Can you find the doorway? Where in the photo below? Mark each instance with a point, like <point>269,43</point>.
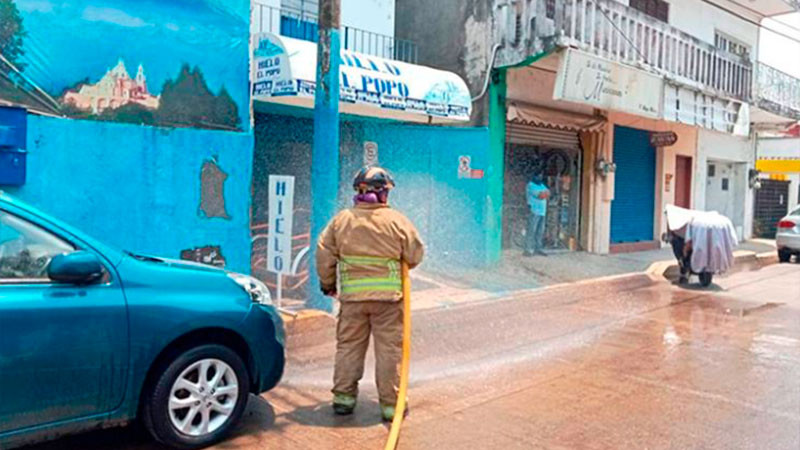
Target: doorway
<point>633,208</point>
<point>683,181</point>
<point>556,155</point>
<point>772,203</point>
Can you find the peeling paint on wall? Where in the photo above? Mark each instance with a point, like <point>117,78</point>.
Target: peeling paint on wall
<point>210,254</point>
<point>212,189</point>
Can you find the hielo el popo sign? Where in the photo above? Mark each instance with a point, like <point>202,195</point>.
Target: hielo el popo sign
<point>585,78</point>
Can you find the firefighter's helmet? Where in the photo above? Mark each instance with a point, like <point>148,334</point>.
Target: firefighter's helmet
<point>373,179</point>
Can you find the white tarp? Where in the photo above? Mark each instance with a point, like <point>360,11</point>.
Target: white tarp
<point>711,235</point>
<point>284,71</point>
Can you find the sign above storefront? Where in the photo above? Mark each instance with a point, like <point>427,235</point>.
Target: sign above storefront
<point>588,79</point>
<point>663,138</point>
<point>284,71</point>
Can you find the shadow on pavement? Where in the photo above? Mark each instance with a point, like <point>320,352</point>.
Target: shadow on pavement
<point>258,416</point>
<point>321,415</point>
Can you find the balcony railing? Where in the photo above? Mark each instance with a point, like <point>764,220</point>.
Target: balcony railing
<point>303,25</point>
<point>778,92</point>
<point>620,33</point>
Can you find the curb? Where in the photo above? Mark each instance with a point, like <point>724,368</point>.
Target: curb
<point>742,259</point>
<point>308,327</point>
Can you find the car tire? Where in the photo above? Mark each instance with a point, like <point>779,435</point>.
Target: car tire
<point>784,256</point>
<point>215,405</point>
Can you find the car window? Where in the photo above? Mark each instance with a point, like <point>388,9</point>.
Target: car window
<point>26,249</point>
<point>796,212</point>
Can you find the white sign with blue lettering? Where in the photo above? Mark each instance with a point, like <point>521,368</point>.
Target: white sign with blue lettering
<point>284,71</point>
<point>281,208</point>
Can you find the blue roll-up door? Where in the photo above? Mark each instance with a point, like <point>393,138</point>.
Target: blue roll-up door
<point>634,186</point>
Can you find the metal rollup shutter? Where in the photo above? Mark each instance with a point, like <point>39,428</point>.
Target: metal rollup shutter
<point>541,136</point>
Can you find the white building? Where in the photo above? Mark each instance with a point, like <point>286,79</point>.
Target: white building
<point>687,68</point>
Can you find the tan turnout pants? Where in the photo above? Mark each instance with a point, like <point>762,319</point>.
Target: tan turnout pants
<point>384,320</point>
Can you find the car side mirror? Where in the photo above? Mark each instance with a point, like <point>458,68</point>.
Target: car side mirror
<point>79,267</point>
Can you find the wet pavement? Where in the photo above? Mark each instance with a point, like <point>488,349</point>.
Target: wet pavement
<point>629,363</point>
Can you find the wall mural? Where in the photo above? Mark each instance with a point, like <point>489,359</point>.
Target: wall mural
<point>169,63</point>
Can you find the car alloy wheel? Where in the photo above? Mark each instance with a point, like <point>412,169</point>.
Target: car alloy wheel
<point>203,397</point>
<point>197,398</point>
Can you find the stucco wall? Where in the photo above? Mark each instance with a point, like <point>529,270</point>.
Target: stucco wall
<point>139,188</point>
<point>450,212</point>
<point>721,147</point>
<point>453,35</point>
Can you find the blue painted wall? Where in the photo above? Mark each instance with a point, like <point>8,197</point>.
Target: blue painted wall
<point>449,211</point>
<point>138,187</point>
<point>424,160</point>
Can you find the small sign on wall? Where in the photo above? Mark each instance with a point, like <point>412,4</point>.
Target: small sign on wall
<point>465,169</point>
<point>281,208</point>
<point>663,138</point>
<point>464,166</point>
<point>667,182</point>
<point>370,153</point>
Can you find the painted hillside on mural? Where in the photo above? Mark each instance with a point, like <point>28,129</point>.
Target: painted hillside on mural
<point>175,63</point>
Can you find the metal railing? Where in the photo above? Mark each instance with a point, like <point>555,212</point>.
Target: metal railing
<point>617,32</point>
<point>778,91</point>
<point>302,24</point>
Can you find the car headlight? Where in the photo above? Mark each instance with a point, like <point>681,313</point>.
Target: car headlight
<point>258,291</point>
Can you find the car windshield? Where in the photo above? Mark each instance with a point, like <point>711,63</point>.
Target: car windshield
<point>796,212</point>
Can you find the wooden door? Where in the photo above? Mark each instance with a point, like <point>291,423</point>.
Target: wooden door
<point>683,181</point>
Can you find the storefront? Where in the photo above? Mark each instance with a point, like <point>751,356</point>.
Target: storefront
<point>546,142</point>
<point>654,162</point>
<point>389,116</point>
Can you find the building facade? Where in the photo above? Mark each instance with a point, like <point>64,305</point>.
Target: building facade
<point>624,106</point>
<point>412,119</point>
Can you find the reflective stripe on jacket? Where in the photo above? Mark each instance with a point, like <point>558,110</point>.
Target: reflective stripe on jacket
<point>367,243</point>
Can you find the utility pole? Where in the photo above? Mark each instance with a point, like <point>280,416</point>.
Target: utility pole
<point>325,154</point>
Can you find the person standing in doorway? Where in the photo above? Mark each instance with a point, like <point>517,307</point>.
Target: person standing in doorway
<point>537,195</point>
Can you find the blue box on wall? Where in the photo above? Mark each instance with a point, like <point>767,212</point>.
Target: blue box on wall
<point>13,135</point>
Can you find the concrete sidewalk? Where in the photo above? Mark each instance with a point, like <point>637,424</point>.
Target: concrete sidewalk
<point>442,288</point>
<point>557,275</point>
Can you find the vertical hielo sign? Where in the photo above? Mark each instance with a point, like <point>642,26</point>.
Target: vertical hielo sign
<point>281,207</point>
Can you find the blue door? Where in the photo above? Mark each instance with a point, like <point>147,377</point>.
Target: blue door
<point>634,186</point>
<point>63,348</point>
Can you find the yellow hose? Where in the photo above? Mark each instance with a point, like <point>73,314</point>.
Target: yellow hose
<point>400,408</point>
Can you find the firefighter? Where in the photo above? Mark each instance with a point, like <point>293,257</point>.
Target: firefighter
<point>367,244</point>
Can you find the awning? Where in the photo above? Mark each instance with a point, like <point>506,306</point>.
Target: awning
<point>528,114</point>
<point>284,71</point>
<point>778,165</point>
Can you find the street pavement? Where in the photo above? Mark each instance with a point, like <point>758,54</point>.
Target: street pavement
<point>633,362</point>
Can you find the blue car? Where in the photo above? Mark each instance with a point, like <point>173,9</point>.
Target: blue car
<point>91,336</point>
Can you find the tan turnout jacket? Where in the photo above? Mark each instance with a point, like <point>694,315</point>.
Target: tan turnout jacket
<point>367,243</point>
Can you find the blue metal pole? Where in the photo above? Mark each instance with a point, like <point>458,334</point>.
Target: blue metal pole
<point>325,154</point>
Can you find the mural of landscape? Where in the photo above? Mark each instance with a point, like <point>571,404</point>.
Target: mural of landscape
<point>175,63</point>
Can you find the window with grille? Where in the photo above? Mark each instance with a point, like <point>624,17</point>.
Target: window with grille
<point>658,9</point>
<point>731,45</point>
